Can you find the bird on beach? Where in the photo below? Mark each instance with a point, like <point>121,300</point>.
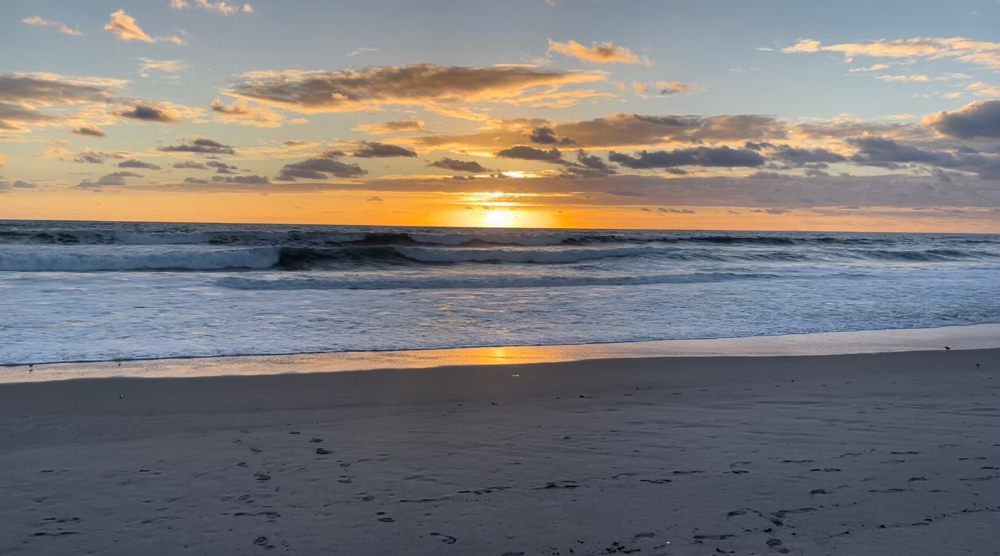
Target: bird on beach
<point>947,348</point>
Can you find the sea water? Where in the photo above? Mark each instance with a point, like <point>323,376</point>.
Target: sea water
<point>90,291</point>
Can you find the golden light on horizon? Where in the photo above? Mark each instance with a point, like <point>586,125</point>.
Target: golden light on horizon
<point>500,218</point>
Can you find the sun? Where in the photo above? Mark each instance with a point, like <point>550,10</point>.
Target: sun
<point>500,218</point>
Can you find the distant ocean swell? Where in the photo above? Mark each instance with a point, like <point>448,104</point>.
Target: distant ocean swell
<point>166,257</point>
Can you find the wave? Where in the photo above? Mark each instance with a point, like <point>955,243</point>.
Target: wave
<point>477,282</point>
<point>148,234</point>
<point>353,256</point>
<point>77,261</point>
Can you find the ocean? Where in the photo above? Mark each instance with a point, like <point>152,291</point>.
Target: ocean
<point>97,291</point>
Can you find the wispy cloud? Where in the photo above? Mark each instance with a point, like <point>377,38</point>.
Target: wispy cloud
<point>598,52</point>
<point>149,66</point>
<point>361,50</point>
<point>394,126</point>
<point>126,28</point>
<point>421,84</point>
<point>61,27</point>
<point>245,113</point>
<point>224,8</point>
<point>978,53</point>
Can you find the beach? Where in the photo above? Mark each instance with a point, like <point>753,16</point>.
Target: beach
<point>889,453</point>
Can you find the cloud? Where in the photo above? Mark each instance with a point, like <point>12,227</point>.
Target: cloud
<point>48,88</point>
<point>323,167</point>
<point>802,156</point>
<point>663,88</point>
<point>113,179</point>
<point>620,131</point>
<point>543,135</point>
<point>88,130</point>
<point>125,27</point>
<point>531,153</point>
<point>151,112</point>
<point>979,53</point>
<point>62,27</point>
<point>981,89</point>
<point>17,184</point>
<point>871,68</point>
<point>459,165</point>
<point>24,96</point>
<point>245,180</point>
<point>90,157</point>
<point>672,87</point>
<point>147,66</point>
<point>190,164</point>
<point>887,153</point>
<point>224,8</point>
<point>361,50</point>
<point>598,52</point>
<point>133,163</point>
<point>200,146</point>
<point>195,180</point>
<point>242,112</point>
<point>420,84</point>
<point>375,199</point>
<point>372,149</point>
<point>978,119</point>
<point>394,126</point>
<point>699,156</point>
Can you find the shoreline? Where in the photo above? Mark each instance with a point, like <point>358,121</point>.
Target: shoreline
<point>869,454</point>
<point>979,336</point>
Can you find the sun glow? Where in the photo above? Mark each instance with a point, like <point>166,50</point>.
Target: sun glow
<point>500,218</point>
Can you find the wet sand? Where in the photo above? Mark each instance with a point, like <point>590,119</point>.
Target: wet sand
<point>887,454</point>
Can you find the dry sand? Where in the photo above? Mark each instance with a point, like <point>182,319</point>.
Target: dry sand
<point>885,454</point>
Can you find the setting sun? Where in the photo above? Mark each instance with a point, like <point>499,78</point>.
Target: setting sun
<point>500,218</point>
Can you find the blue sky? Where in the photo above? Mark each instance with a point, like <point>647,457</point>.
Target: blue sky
<point>710,58</point>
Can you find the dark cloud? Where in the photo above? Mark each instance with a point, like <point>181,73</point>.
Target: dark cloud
<point>801,157</point>
<point>587,166</point>
<point>244,180</point>
<point>699,156</point>
<point>320,168</point>
<point>221,165</point>
<point>622,131</point>
<point>115,178</point>
<point>592,162</point>
<point>191,165</point>
<point>195,180</point>
<point>18,184</point>
<point>543,135</point>
<point>53,89</point>
<point>94,157</point>
<point>361,90</point>
<point>133,163</point>
<point>887,153</point>
<point>375,199</point>
<point>458,165</point>
<point>13,115</point>
<point>978,119</point>
<point>88,130</point>
<point>531,153</point>
<point>372,149</point>
<point>675,211</point>
<point>148,113</point>
<point>202,146</point>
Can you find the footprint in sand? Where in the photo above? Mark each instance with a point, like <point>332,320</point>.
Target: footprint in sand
<point>446,539</point>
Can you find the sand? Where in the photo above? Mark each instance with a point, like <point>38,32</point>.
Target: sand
<point>887,454</point>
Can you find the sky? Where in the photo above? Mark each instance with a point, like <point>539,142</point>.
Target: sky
<point>711,114</point>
